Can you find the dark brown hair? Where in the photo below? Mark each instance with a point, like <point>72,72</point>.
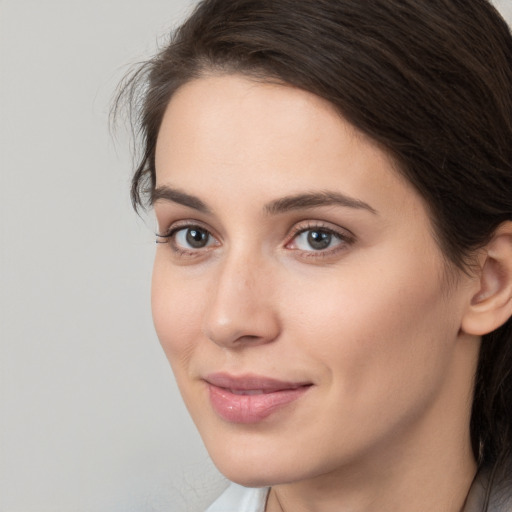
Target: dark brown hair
<point>430,80</point>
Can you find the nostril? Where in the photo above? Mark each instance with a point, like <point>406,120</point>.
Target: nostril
<point>250,337</point>
<point>234,336</point>
<point>236,315</point>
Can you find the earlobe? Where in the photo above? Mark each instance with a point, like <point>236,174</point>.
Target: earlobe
<point>491,304</point>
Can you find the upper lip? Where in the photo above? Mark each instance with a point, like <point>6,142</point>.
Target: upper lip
<point>249,382</point>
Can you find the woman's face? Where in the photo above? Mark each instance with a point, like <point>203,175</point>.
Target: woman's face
<point>298,291</point>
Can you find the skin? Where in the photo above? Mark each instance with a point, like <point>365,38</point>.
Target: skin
<point>371,321</point>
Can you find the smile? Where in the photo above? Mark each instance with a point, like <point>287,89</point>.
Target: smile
<point>251,399</point>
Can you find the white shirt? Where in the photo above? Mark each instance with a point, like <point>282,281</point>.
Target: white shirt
<point>240,499</point>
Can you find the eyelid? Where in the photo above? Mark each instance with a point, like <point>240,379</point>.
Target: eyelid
<point>345,236</point>
<point>177,226</point>
<point>183,224</point>
<point>320,225</point>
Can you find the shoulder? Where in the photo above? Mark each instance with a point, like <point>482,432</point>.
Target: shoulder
<point>240,499</point>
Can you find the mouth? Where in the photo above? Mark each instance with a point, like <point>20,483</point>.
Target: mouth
<point>248,392</point>
<point>249,398</point>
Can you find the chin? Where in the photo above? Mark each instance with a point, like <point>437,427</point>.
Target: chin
<point>240,467</point>
<point>250,480</point>
<point>259,467</point>
<point>249,476</point>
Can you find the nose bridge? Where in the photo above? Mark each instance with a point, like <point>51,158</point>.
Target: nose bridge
<point>240,302</point>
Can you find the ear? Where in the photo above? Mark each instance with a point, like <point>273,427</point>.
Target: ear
<point>491,304</point>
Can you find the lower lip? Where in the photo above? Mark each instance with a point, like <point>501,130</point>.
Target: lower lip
<point>251,408</point>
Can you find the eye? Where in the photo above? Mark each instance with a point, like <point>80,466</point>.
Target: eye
<point>319,240</point>
<point>192,238</point>
<point>316,240</point>
<point>188,239</point>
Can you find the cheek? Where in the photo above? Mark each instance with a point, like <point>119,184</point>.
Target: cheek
<point>375,332</point>
<point>177,312</point>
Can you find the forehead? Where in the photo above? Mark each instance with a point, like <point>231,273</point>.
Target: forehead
<point>237,107</point>
<point>230,129</point>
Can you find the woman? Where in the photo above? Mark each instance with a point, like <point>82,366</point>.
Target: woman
<point>332,181</point>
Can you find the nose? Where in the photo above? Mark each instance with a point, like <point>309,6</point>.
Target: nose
<point>240,308</point>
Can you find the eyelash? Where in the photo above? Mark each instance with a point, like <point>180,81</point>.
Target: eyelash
<point>344,237</point>
<point>169,238</point>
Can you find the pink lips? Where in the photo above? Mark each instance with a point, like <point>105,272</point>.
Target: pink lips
<point>250,399</point>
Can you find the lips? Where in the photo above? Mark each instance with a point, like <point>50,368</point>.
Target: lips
<point>251,399</point>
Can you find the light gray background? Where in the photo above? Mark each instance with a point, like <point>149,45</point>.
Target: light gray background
<point>90,417</point>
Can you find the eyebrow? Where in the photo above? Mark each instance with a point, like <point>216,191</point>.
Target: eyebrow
<point>278,206</point>
<point>313,199</point>
<point>177,196</point>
